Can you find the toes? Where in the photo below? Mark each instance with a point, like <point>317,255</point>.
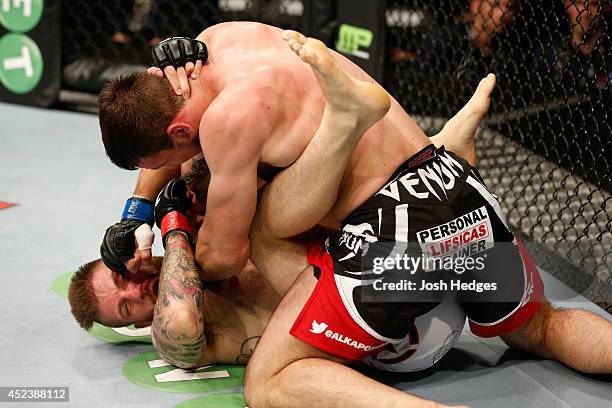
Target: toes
<point>296,46</point>
<point>318,43</point>
<point>492,80</point>
<point>289,34</point>
<point>303,54</point>
<point>306,48</point>
<point>294,35</point>
<point>487,83</point>
<point>313,57</point>
<point>485,87</point>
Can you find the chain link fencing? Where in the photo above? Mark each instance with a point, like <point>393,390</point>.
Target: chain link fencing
<point>104,39</point>
<point>546,147</point>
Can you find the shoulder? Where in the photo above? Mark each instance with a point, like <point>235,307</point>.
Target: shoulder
<point>232,27</point>
<point>209,32</point>
<point>234,126</point>
<point>236,107</point>
<point>236,35</point>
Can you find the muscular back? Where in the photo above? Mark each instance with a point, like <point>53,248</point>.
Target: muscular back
<point>251,60</point>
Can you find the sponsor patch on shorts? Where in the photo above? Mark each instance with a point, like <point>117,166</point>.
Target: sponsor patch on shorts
<point>323,329</point>
<point>463,236</point>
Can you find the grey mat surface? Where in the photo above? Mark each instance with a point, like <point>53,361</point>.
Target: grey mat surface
<point>52,164</point>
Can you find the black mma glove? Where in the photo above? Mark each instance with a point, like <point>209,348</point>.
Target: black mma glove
<point>178,51</point>
<point>173,210</point>
<point>134,229</point>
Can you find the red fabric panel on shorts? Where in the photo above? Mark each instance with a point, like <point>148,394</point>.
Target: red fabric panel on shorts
<point>324,322</point>
<point>534,291</point>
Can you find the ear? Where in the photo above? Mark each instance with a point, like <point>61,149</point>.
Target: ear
<point>140,325</point>
<point>180,132</point>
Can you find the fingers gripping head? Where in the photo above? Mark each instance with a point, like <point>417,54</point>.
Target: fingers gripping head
<point>178,51</point>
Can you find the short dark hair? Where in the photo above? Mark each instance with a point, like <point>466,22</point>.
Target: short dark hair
<point>135,112</point>
<point>81,295</point>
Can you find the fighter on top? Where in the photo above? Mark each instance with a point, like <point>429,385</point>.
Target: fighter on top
<point>254,109</point>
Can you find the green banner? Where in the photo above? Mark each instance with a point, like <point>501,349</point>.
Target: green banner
<point>30,51</point>
<point>22,15</point>
<point>21,64</point>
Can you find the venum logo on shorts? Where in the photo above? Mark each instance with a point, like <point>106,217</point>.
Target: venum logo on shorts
<point>320,328</point>
<point>463,236</point>
<point>355,238</point>
<point>442,173</point>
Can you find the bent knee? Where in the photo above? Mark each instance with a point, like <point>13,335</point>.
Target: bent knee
<point>255,385</point>
<point>532,335</point>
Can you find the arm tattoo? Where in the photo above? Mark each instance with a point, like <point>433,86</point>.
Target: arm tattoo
<point>246,350</point>
<point>180,294</point>
<point>198,179</point>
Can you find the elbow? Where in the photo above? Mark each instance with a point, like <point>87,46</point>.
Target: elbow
<point>225,268</point>
<point>181,343</point>
<point>238,258</point>
<point>181,361</point>
<point>186,325</point>
<point>219,264</point>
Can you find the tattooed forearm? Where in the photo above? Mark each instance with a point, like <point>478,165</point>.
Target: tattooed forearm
<point>178,326</point>
<point>246,350</point>
<point>181,354</point>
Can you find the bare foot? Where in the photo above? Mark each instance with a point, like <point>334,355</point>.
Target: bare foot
<point>360,103</point>
<point>458,133</point>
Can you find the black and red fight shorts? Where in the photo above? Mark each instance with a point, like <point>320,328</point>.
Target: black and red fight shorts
<point>438,202</point>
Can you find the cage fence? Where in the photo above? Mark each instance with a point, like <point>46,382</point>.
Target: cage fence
<point>545,148</point>
<point>104,39</point>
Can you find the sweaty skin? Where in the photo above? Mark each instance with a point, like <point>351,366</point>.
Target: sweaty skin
<point>286,372</point>
<point>337,121</point>
<point>256,102</point>
<point>295,373</point>
<point>236,310</point>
